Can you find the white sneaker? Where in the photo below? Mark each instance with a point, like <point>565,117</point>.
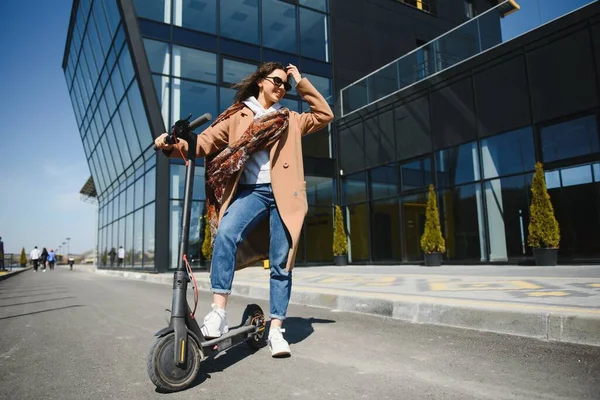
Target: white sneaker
<point>215,323</point>
<point>278,345</point>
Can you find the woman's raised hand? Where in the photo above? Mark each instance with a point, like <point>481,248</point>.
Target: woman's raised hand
<point>293,70</point>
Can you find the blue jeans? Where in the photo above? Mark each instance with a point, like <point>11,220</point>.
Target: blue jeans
<point>251,205</point>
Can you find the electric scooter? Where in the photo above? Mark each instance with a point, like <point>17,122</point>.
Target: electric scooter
<point>174,358</point>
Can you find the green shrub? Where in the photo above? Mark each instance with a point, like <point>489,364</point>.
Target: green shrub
<point>543,227</point>
<point>340,245</point>
<point>432,240</point>
<point>23,260</point>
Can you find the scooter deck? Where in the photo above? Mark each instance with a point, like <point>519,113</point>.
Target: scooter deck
<point>244,329</point>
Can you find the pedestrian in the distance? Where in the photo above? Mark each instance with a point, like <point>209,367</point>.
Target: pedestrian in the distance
<point>51,259</point>
<point>256,185</point>
<point>34,256</point>
<point>43,259</point>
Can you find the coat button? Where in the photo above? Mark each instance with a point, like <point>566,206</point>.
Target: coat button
<point>295,193</point>
<point>285,165</point>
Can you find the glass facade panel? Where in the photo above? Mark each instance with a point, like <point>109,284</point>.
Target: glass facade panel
<point>507,205</point>
<point>314,35</point>
<point>162,85</point>
<point>128,242</point>
<point>570,139</point>
<point>156,10</point>
<point>195,244</point>
<point>126,67</point>
<point>149,217</point>
<point>235,71</point>
<point>416,174</point>
<point>385,231</point>
<point>413,216</point>
<point>139,115</point>
<point>461,216</point>
<point>354,188</point>
<point>509,153</point>
<point>319,191</point>
<point>320,5</point>
<point>159,56</point>
<point>193,98</point>
<point>239,20</point>
<point>323,85</point>
<point>194,64</point>
<point>150,186</point>
<point>138,236</point>
<point>383,182</point>
<point>129,129</point>
<point>279,26</point>
<point>358,230</point>
<point>226,97</point>
<point>457,165</point>
<point>200,15</point>
<point>318,226</point>
<point>139,193</point>
<point>178,182</point>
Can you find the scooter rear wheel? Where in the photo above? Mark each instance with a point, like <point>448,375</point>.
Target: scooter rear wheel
<point>162,370</point>
<point>257,318</point>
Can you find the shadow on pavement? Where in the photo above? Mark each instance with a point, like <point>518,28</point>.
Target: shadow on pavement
<point>34,294</point>
<point>297,329</point>
<point>37,301</point>
<point>42,311</point>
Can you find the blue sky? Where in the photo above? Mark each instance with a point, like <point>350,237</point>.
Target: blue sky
<point>42,163</point>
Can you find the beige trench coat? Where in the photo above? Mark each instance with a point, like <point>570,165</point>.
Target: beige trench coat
<point>287,170</point>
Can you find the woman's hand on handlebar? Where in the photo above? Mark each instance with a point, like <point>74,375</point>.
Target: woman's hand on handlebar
<point>161,142</point>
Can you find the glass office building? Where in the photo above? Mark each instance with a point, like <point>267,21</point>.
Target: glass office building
<point>474,129</point>
<point>134,67</point>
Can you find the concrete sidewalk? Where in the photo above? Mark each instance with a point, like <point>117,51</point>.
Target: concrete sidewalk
<point>550,303</point>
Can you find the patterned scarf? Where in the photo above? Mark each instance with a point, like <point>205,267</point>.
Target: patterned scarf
<point>262,134</point>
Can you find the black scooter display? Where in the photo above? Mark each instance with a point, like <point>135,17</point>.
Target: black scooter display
<point>174,359</point>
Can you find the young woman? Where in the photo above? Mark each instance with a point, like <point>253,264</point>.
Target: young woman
<point>255,188</point>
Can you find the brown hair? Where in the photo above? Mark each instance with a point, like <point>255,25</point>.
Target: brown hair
<point>249,85</point>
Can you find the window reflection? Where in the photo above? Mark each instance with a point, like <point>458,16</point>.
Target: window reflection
<point>200,15</point>
<point>413,216</point>
<point>193,98</point>
<point>358,230</point>
<point>385,230</point>
<point>319,234</point>
<point>320,5</point>
<point>159,56</point>
<point>570,139</point>
<point>508,153</point>
<point>194,64</point>
<point>156,10</point>
<point>138,236</point>
<point>319,190</point>
<point>195,244</point>
<point>457,165</point>
<point>239,20</point>
<point>314,35</point>
<point>461,216</point>
<point>416,174</point>
<point>149,228</point>
<point>507,204</point>
<point>226,97</point>
<point>235,71</point>
<point>279,26</point>
<point>383,181</point>
<point>150,186</point>
<point>354,188</point>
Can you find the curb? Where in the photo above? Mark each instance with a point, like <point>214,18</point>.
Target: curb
<point>13,273</point>
<point>560,324</point>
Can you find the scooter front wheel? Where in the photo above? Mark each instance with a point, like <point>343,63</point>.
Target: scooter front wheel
<point>163,371</point>
<point>253,315</point>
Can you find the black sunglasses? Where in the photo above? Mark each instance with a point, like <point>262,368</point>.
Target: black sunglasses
<point>278,82</point>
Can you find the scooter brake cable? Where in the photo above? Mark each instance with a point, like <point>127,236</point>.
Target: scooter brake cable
<point>191,273</point>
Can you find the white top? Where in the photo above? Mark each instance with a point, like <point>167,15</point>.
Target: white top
<point>258,167</point>
<point>121,252</point>
<point>35,254</point>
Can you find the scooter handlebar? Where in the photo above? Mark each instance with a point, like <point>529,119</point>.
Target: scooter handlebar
<point>201,120</point>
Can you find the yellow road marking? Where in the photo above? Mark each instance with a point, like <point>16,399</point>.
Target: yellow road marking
<point>549,294</point>
<point>594,285</point>
<point>462,286</point>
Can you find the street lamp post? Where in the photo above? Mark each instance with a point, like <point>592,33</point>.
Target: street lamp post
<point>68,247</point>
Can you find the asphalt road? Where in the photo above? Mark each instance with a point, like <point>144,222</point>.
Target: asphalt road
<point>75,335</point>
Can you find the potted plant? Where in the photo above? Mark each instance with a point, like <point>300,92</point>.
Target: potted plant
<point>207,246</point>
<point>544,233</point>
<point>23,260</point>
<point>340,245</point>
<point>432,242</point>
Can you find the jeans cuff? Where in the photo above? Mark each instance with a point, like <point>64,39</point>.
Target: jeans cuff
<point>277,316</point>
<point>220,291</point>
